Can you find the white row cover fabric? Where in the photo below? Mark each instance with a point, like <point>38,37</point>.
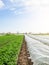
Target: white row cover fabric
<point>43,36</point>
<point>39,52</point>
<point>40,38</point>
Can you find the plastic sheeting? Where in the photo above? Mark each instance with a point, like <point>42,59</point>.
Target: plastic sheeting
<point>41,39</point>
<point>43,36</point>
<point>39,52</point>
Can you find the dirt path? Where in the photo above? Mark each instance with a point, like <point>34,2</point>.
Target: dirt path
<point>23,56</point>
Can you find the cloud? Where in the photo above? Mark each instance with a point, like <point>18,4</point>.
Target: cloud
<point>12,1</point>
<point>31,2</point>
<point>1,4</point>
<point>25,6</point>
<point>12,9</point>
<point>27,2</point>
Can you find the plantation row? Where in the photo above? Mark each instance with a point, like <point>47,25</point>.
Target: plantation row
<point>10,46</point>
<point>5,39</point>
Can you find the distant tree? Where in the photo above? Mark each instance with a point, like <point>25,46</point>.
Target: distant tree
<point>8,34</point>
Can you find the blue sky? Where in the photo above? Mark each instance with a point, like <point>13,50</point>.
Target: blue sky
<point>24,16</point>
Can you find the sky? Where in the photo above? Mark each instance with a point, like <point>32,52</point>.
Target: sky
<point>24,16</point>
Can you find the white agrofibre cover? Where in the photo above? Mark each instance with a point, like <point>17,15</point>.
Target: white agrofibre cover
<point>39,52</point>
<point>41,39</point>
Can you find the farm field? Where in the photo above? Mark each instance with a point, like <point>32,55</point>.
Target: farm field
<point>10,46</point>
<point>28,50</point>
<point>38,47</point>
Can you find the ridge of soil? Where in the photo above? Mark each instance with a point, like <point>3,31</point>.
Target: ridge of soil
<point>24,54</point>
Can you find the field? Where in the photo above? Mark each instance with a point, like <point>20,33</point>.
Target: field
<point>10,46</point>
<point>38,47</point>
<point>24,49</point>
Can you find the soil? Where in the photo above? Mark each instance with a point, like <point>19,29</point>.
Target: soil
<point>23,56</point>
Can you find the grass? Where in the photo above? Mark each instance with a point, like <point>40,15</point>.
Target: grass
<point>10,46</point>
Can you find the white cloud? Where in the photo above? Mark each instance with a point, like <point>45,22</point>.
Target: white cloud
<point>25,5</point>
<point>1,4</point>
<point>12,1</point>
<point>26,2</point>
<point>29,6</point>
<point>18,13</point>
<point>12,9</point>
